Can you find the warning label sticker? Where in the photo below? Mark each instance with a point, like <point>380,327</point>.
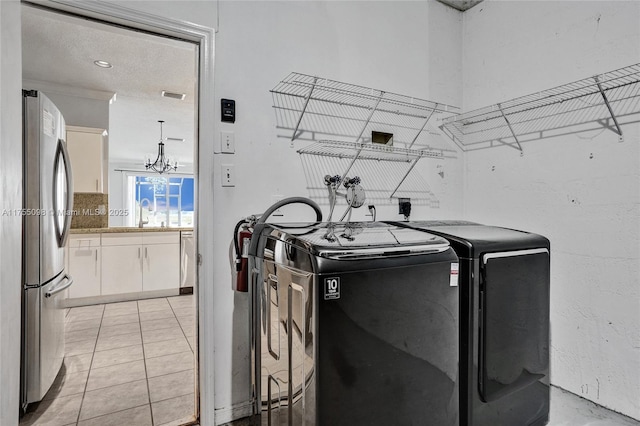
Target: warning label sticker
<point>453,277</point>
<point>48,125</point>
<point>332,288</point>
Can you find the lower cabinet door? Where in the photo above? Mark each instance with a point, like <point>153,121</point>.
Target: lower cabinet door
<point>121,269</point>
<point>84,267</point>
<point>161,270</point>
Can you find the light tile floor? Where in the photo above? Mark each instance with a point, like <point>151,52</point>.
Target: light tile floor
<point>132,363</point>
<point>567,409</point>
<point>129,363</point>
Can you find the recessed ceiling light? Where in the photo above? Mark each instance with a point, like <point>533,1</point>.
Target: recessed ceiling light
<point>103,64</point>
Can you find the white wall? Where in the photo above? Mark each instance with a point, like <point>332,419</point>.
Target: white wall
<point>582,191</point>
<point>411,48</point>
<point>10,198</point>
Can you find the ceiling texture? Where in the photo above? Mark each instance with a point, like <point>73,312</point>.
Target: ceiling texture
<point>58,54</point>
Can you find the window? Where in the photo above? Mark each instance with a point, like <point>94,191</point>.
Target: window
<point>162,201</point>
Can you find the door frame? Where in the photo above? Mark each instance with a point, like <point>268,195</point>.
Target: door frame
<point>115,14</point>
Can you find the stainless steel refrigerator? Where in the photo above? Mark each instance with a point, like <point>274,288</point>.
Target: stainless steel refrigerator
<point>47,206</point>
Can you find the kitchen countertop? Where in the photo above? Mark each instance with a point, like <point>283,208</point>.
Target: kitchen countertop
<point>125,229</point>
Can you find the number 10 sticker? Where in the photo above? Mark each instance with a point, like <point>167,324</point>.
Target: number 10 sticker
<point>332,288</point>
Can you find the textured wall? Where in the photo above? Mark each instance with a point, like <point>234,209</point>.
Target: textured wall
<point>411,48</point>
<point>581,190</point>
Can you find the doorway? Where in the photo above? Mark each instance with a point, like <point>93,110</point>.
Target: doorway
<point>92,372</point>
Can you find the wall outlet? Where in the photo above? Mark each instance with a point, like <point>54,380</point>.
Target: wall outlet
<point>228,175</point>
<point>404,207</point>
<point>227,142</point>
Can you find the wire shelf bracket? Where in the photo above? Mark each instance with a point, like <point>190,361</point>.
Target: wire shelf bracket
<point>368,120</point>
<point>422,128</point>
<point>583,105</point>
<point>606,101</point>
<point>304,108</point>
<point>413,164</point>
<point>317,108</point>
<point>510,129</point>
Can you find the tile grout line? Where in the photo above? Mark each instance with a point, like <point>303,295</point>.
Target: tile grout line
<point>114,412</point>
<point>90,364</point>
<point>93,356</point>
<point>194,368</point>
<point>173,372</point>
<point>173,397</point>
<point>144,358</point>
<point>193,355</point>
<point>182,329</point>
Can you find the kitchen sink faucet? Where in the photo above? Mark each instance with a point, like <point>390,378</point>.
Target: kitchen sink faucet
<point>141,223</point>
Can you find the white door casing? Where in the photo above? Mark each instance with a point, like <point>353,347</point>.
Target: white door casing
<point>204,220</point>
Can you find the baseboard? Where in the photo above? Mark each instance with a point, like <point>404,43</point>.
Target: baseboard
<point>125,297</point>
<point>236,412</point>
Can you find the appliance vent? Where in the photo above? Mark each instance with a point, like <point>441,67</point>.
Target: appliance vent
<point>173,95</point>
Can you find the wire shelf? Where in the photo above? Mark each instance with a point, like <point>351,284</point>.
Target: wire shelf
<point>313,108</point>
<point>367,151</point>
<point>603,100</point>
<point>386,172</point>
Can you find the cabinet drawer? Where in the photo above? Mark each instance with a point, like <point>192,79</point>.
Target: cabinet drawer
<point>122,239</point>
<point>84,241</point>
<point>161,237</point>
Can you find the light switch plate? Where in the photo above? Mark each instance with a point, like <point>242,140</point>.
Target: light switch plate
<point>227,142</point>
<point>228,175</point>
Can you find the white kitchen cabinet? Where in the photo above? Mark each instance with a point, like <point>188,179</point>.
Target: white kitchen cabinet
<point>121,263</point>
<point>121,269</point>
<point>161,267</point>
<point>161,264</point>
<point>140,261</point>
<point>84,265</point>
<point>89,160</point>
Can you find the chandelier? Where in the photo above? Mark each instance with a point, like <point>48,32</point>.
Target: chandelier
<point>162,163</point>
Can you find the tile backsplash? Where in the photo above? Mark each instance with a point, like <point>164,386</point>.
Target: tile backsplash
<point>90,210</point>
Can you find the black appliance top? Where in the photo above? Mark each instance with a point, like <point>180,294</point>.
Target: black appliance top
<point>335,239</point>
<point>471,240</point>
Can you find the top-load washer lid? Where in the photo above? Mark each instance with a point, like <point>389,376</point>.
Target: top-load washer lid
<point>471,240</point>
<point>354,239</point>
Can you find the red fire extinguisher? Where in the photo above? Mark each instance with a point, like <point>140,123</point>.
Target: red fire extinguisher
<point>242,238</point>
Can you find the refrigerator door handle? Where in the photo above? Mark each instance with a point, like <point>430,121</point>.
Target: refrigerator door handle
<point>61,287</point>
<point>64,232</point>
<point>69,206</point>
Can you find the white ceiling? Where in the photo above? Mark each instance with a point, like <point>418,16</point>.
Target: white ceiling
<point>59,51</point>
